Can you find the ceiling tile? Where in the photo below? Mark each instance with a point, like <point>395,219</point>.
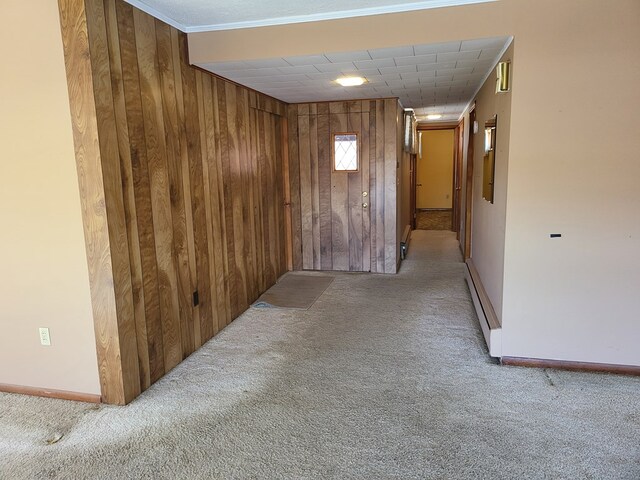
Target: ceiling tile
<point>267,63</point>
<point>391,52</point>
<point>347,56</point>
<point>437,48</point>
<point>378,63</point>
<point>416,60</point>
<point>454,57</point>
<point>336,67</point>
<point>403,69</point>
<point>307,60</point>
<point>299,69</point>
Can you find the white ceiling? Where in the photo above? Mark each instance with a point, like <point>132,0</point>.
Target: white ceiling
<point>207,15</point>
<point>437,78</point>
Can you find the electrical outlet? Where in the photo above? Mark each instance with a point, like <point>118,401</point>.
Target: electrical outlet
<point>45,339</point>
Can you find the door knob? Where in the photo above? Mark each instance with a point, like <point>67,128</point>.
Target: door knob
<point>365,205</point>
<point>418,184</point>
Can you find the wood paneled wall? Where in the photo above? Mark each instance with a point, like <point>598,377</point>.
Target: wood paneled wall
<point>192,193</point>
<point>319,195</point>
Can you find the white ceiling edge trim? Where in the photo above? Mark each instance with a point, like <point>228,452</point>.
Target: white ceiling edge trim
<point>475,94</point>
<point>157,14</point>
<point>317,17</point>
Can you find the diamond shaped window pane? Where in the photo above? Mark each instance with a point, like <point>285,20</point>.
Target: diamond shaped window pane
<point>345,152</point>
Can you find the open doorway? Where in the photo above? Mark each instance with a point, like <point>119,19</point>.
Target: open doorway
<point>437,185</point>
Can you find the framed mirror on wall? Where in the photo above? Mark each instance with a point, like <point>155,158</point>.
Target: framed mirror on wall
<point>488,168</point>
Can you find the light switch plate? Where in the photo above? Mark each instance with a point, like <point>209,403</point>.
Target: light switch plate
<point>45,339</point>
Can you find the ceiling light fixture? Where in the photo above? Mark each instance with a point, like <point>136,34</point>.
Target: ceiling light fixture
<point>350,81</point>
<point>434,116</point>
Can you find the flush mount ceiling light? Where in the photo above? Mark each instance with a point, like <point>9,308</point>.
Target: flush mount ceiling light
<point>350,81</point>
<point>434,116</point>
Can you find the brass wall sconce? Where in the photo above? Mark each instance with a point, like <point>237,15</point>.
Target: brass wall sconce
<point>503,72</point>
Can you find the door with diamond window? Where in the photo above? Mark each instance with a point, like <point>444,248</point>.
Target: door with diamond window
<point>349,191</point>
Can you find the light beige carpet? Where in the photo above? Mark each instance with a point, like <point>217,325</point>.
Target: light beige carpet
<point>384,377</point>
<point>295,291</point>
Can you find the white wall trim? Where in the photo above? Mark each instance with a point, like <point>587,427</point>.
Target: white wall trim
<point>139,4</point>
<point>316,17</point>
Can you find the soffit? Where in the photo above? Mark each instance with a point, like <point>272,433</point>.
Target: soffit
<point>434,78</point>
<point>206,15</point>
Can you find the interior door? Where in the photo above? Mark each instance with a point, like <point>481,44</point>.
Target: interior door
<point>335,204</point>
<point>349,194</point>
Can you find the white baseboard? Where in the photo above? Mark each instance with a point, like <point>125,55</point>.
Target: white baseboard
<point>492,336</point>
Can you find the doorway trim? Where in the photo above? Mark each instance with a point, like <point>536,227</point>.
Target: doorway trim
<point>458,129</point>
<point>468,211</point>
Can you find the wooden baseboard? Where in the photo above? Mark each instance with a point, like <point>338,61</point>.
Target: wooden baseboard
<point>574,366</point>
<point>50,393</point>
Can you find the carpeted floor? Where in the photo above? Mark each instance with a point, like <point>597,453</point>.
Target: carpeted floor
<point>433,219</point>
<point>384,377</point>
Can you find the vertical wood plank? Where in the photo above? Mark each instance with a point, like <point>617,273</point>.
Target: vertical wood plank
<point>390,175</point>
<point>112,178</point>
<point>355,211</point>
<point>294,179</point>
<point>151,332</point>
<point>212,198</point>
<point>182,163</point>
<point>380,187</point>
<point>194,149</point>
<point>128,188</point>
<point>235,182</point>
<point>178,215</point>
<point>366,219</point>
<point>324,182</point>
<point>75,38</point>
<point>315,187</point>
<point>304,156</point>
<point>339,200</point>
<point>222,164</point>
<point>159,183</point>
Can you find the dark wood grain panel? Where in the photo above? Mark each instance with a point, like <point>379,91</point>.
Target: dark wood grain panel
<point>380,190</point>
<point>183,191</point>
<point>304,157</point>
<point>128,189</point>
<point>152,111</point>
<point>176,184</point>
<point>114,197</point>
<point>356,210</point>
<point>151,328</point>
<point>324,185</point>
<point>365,169</point>
<point>315,186</point>
<point>294,185</point>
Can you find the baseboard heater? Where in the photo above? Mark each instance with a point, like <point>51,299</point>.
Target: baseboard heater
<point>491,328</point>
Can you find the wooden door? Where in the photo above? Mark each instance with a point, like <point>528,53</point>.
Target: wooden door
<point>349,191</point>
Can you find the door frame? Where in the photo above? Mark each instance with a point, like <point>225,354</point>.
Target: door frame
<point>457,128</point>
<point>468,214</point>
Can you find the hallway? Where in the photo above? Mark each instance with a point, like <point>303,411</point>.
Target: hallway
<point>384,377</point>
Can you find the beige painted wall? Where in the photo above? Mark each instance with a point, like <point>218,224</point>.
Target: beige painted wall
<point>574,169</point>
<point>574,131</point>
<point>44,281</point>
<point>435,170</point>
<point>488,228</point>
